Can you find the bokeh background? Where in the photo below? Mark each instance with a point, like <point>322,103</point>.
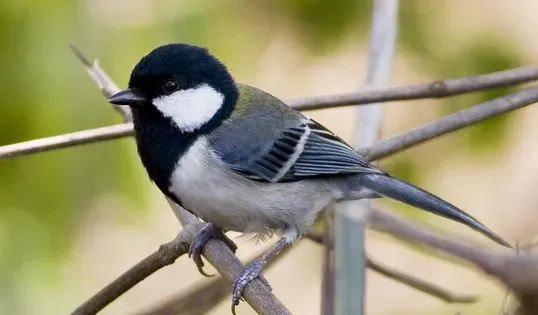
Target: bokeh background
<point>73,220</point>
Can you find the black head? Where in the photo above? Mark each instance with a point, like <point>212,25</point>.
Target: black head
<point>168,76</point>
<point>179,67</point>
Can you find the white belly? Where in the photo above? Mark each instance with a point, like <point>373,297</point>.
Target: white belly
<point>220,196</point>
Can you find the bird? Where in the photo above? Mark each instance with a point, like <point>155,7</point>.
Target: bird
<point>241,160</point>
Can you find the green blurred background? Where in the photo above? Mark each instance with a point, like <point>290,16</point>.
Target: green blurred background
<point>72,220</point>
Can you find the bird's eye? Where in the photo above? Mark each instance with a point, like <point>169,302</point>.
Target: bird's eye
<point>170,86</point>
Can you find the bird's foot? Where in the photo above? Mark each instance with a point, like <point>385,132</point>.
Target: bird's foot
<point>252,272</point>
<point>208,232</point>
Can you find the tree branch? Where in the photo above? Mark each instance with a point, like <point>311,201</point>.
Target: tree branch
<point>409,280</point>
<point>256,293</point>
<point>204,297</point>
<point>518,272</point>
<point>435,89</point>
<point>452,122</point>
<point>103,81</point>
<point>164,256</point>
<point>420,284</point>
<point>66,140</point>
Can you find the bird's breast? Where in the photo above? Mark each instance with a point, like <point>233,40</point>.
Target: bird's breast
<point>218,195</point>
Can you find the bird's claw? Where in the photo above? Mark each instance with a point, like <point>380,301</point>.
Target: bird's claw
<point>204,235</point>
<point>252,272</point>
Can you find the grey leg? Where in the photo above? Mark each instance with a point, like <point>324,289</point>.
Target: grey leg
<point>290,235</point>
<point>208,232</point>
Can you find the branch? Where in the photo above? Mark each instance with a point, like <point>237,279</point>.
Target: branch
<point>108,88</point>
<point>164,256</point>
<point>204,297</point>
<point>435,89</point>
<point>452,122</point>
<point>256,293</point>
<point>103,81</point>
<point>219,255</point>
<point>66,140</point>
<point>407,279</point>
<point>518,272</point>
<point>420,284</point>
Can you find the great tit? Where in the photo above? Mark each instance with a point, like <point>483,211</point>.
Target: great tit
<point>242,160</point>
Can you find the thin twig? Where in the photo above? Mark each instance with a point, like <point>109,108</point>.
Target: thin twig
<point>435,89</point>
<point>517,272</point>
<point>256,293</point>
<point>204,297</point>
<point>164,256</point>
<point>407,279</point>
<point>66,140</point>
<point>449,123</point>
<point>103,81</point>
<point>421,285</point>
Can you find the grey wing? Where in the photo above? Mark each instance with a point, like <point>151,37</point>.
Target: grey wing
<point>325,154</point>
<point>303,150</point>
<point>247,150</point>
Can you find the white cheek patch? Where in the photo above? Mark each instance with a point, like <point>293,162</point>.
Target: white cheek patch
<point>190,109</point>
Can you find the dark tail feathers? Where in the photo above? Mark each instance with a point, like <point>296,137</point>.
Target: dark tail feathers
<point>393,188</point>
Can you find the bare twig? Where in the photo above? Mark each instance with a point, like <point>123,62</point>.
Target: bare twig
<point>256,293</point>
<point>66,140</point>
<point>450,123</point>
<point>516,271</point>
<point>436,89</point>
<point>195,302</point>
<point>203,298</point>
<point>164,256</point>
<point>103,81</point>
<point>108,88</point>
<point>407,279</point>
<point>421,285</point>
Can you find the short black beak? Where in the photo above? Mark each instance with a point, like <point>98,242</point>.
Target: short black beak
<point>127,97</point>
